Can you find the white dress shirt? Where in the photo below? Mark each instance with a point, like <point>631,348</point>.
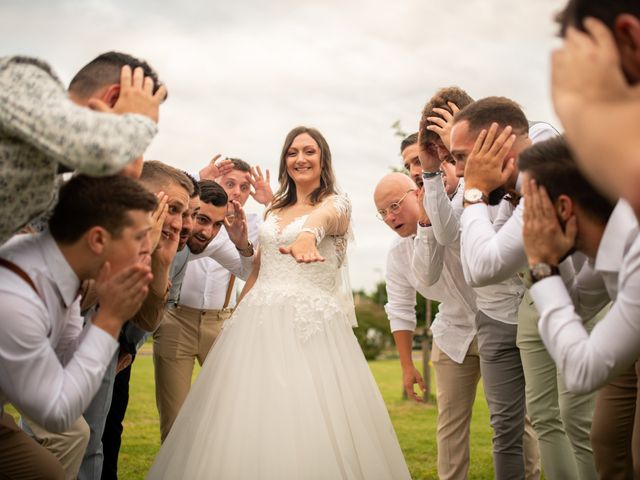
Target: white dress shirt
<point>205,283</point>
<point>439,277</point>
<point>492,254</point>
<point>37,330</point>
<point>589,361</point>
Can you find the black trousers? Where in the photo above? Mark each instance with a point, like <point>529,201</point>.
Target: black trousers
<point>112,435</point>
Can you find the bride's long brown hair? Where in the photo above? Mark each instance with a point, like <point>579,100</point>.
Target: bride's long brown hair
<point>286,194</point>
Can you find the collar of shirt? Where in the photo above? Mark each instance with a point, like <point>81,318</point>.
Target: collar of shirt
<point>62,275</point>
<point>616,238</point>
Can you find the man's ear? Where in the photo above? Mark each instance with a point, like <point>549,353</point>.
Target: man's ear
<point>97,239</point>
<point>564,207</point>
<point>111,94</point>
<point>627,34</point>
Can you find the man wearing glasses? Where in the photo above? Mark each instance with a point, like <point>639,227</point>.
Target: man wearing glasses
<point>416,262</point>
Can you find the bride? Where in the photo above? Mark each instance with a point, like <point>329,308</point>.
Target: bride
<point>285,392</point>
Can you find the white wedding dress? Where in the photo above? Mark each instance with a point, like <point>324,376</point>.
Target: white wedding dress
<point>286,393</point>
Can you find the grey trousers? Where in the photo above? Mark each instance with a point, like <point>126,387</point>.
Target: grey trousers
<point>504,386</point>
<point>96,416</point>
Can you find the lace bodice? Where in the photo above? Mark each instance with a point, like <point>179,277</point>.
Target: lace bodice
<point>313,289</point>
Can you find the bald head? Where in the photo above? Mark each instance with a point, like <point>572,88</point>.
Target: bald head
<point>394,182</point>
<point>396,188</point>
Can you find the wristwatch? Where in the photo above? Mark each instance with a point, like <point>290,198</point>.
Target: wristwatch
<point>542,270</point>
<point>247,251</point>
<point>473,196</point>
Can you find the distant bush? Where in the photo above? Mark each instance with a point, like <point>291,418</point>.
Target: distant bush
<point>373,332</point>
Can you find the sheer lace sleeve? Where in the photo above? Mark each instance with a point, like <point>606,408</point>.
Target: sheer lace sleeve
<point>332,217</point>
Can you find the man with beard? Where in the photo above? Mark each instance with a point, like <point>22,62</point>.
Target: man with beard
<point>184,335</point>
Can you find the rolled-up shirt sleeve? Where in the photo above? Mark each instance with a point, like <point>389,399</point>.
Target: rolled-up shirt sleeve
<point>401,297</point>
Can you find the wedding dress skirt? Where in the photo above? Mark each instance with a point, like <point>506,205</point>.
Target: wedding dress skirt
<point>285,392</point>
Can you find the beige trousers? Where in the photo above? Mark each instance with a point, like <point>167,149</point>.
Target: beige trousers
<point>22,457</point>
<point>68,446</point>
<point>184,336</point>
<point>456,386</point>
<point>615,432</point>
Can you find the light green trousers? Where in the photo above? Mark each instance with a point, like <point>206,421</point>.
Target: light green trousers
<point>561,419</point>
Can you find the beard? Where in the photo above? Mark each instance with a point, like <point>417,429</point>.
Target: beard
<point>198,244</point>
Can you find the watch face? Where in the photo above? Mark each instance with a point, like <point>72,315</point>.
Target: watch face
<point>540,270</point>
<point>473,195</point>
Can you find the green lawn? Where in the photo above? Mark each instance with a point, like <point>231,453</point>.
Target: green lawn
<point>415,425</point>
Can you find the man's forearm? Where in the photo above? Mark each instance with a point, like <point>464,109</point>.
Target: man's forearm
<point>404,342</point>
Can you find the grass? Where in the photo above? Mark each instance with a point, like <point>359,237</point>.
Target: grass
<point>415,424</point>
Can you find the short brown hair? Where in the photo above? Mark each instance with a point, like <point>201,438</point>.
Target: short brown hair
<point>239,164</point>
<point>85,202</point>
<point>501,110</point>
<point>551,164</point>
<point>158,174</point>
<point>440,100</point>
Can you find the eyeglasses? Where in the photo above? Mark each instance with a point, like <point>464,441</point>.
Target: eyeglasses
<point>394,207</point>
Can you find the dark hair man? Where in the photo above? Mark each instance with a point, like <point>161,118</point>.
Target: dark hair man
<point>99,230</point>
<point>39,123</point>
<point>565,213</point>
<point>488,136</point>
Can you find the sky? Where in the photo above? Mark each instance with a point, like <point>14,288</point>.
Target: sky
<point>242,74</point>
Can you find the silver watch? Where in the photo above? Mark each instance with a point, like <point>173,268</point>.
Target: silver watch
<point>542,270</point>
<point>473,196</point>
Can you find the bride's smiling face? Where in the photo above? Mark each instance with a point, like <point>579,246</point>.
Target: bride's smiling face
<point>304,162</point>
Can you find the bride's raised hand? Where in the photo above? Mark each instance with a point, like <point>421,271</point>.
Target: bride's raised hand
<point>303,249</point>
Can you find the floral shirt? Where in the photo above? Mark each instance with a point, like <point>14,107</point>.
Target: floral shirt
<point>41,128</point>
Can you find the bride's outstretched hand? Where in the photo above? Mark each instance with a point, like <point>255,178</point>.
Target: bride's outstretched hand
<point>303,249</point>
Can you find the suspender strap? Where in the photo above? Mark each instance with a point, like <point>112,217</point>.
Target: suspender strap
<point>227,296</point>
<point>18,271</point>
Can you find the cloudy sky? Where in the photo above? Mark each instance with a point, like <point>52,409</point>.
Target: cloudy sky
<point>241,74</point>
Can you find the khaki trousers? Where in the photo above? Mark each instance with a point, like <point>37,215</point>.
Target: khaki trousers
<point>615,433</point>
<point>184,335</point>
<point>456,386</point>
<point>23,458</point>
<point>68,446</point>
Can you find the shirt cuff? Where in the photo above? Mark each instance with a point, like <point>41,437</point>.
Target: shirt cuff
<point>550,294</point>
<point>102,344</point>
<point>400,324</point>
<point>475,211</point>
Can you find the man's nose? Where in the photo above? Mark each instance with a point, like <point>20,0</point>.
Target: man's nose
<point>176,223</point>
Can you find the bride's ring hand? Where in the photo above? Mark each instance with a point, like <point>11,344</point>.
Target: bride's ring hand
<point>303,249</point>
